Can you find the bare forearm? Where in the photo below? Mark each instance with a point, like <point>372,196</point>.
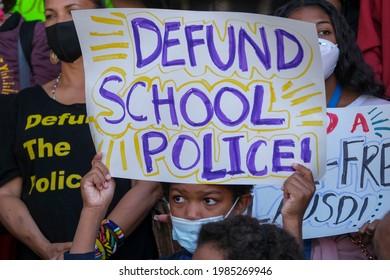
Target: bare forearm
<point>85,237</point>
<point>15,216</point>
<point>294,227</point>
<point>135,206</point>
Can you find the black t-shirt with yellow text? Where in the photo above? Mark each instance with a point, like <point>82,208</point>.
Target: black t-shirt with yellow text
<point>49,144</point>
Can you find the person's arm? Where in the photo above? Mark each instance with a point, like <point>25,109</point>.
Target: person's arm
<point>135,205</point>
<point>298,190</point>
<point>97,190</point>
<point>15,216</point>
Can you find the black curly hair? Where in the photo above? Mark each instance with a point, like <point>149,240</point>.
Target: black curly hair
<point>242,237</point>
<point>351,71</point>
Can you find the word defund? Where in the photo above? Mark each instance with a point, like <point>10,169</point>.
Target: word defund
<point>64,119</point>
<point>244,48</point>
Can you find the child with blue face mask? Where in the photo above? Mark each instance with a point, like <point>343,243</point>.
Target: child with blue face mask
<point>191,206</point>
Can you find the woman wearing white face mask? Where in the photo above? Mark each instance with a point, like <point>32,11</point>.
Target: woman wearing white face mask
<point>348,78</point>
<point>349,81</point>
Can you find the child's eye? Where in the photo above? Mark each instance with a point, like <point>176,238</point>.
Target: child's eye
<point>178,199</point>
<point>210,201</point>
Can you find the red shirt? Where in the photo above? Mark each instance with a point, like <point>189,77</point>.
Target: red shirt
<point>373,37</point>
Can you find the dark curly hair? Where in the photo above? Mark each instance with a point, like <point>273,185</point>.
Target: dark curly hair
<point>242,237</point>
<point>351,71</point>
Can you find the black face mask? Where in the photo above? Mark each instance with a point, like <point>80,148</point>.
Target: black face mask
<point>62,39</point>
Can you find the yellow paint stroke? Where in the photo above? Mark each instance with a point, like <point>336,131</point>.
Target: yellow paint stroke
<point>310,111</point>
<point>100,145</point>
<point>110,46</point>
<point>287,85</point>
<point>117,14</point>
<point>105,20</point>
<point>304,98</point>
<point>123,153</point>
<point>292,93</point>
<point>312,123</point>
<point>137,147</point>
<point>99,58</point>
<point>109,153</point>
<point>98,34</point>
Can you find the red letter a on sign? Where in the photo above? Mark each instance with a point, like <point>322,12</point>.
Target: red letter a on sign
<point>360,120</point>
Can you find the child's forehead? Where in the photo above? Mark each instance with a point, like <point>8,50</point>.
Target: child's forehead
<point>198,188</point>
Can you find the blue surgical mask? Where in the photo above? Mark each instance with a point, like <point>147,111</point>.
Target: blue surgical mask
<point>186,231</point>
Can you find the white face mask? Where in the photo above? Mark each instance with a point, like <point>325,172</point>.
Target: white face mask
<point>330,56</point>
<point>186,231</point>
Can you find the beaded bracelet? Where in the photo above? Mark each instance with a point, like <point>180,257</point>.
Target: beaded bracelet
<point>100,252</point>
<point>110,236</point>
<point>116,229</point>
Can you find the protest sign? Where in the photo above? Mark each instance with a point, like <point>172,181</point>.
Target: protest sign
<point>203,97</point>
<point>356,186</point>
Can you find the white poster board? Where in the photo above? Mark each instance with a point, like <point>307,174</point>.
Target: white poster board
<point>203,97</point>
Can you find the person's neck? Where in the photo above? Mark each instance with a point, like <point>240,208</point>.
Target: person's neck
<point>330,86</point>
<point>347,96</point>
<point>73,74</point>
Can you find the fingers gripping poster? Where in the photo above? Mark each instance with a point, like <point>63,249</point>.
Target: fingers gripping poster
<point>203,97</point>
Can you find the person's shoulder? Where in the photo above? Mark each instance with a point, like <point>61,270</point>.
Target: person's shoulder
<point>33,93</point>
<point>28,90</point>
<point>368,100</point>
<point>6,100</point>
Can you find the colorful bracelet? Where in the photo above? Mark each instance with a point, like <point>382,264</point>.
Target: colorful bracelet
<point>116,229</point>
<point>110,236</point>
<point>100,252</point>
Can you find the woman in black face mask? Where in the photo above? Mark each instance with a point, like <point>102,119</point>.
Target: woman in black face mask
<point>47,148</point>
